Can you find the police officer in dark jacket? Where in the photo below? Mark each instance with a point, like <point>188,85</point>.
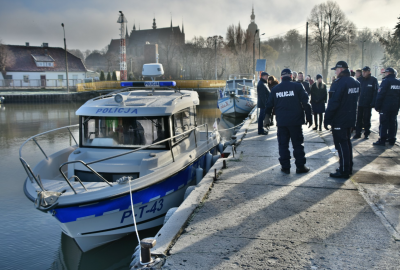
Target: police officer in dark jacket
<point>305,84</point>
<point>388,104</point>
<point>341,116</point>
<point>368,91</point>
<point>262,97</point>
<point>290,100</point>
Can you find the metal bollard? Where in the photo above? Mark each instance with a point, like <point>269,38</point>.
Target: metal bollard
<point>224,164</point>
<point>145,245</point>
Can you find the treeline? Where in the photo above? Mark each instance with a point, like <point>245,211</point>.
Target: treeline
<point>332,37</point>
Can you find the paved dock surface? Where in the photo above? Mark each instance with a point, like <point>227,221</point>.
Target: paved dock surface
<point>256,217</point>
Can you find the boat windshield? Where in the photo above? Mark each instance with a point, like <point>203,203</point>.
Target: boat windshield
<point>243,87</point>
<point>124,132</point>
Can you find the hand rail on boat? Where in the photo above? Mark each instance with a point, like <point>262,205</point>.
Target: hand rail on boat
<point>126,153</point>
<point>40,134</point>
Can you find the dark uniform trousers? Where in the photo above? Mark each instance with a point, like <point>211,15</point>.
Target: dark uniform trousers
<point>388,126</point>
<point>261,118</point>
<point>294,133</point>
<point>364,118</point>
<point>341,139</point>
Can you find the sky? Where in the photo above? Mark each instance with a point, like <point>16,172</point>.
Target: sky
<point>91,24</point>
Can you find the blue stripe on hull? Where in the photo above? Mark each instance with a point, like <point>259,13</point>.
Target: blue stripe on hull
<point>175,182</point>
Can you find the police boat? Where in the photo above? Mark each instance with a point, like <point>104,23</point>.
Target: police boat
<point>136,141</point>
<point>238,97</point>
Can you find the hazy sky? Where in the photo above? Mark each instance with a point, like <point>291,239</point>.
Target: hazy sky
<point>91,24</point>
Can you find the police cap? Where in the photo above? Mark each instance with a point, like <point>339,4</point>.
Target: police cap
<point>340,64</point>
<point>366,68</point>
<point>264,73</point>
<point>390,70</point>
<point>286,72</point>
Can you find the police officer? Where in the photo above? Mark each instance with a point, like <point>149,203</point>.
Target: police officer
<point>341,116</point>
<point>294,76</point>
<point>304,83</point>
<point>262,97</point>
<point>387,104</point>
<point>290,100</point>
<point>368,91</point>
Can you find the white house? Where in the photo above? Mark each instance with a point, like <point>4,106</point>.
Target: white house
<point>41,66</point>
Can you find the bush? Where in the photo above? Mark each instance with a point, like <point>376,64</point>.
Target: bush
<point>109,76</point>
<point>114,76</point>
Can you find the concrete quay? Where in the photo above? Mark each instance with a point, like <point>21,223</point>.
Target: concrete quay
<point>256,217</point>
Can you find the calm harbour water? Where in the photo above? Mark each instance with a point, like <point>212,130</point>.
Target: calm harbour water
<point>30,239</point>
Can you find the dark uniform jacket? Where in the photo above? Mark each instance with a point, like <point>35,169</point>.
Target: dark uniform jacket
<point>388,97</point>
<point>290,101</point>
<point>318,95</point>
<point>342,104</point>
<point>368,91</point>
<point>306,86</point>
<point>262,93</point>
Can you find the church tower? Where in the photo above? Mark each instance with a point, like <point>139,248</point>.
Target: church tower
<point>252,26</point>
<point>154,23</point>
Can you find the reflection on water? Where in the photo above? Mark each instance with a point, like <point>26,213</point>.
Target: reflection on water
<point>31,239</point>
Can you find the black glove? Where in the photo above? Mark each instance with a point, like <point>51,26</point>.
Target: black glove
<point>309,122</point>
<point>267,120</point>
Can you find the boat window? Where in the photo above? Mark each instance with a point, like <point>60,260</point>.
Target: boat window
<point>183,121</point>
<point>229,85</point>
<point>124,132</point>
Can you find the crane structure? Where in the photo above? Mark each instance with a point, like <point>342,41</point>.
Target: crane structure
<point>122,63</point>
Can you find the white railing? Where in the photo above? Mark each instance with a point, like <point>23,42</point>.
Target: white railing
<point>39,83</point>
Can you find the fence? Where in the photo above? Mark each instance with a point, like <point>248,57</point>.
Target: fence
<point>183,84</point>
<point>39,83</point>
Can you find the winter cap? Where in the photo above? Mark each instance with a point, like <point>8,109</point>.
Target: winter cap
<point>319,76</point>
<point>366,68</point>
<point>264,73</point>
<point>286,72</point>
<point>340,64</point>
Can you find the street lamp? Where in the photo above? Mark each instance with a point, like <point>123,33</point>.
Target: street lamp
<point>215,43</point>
<point>254,52</point>
<point>259,45</point>
<point>362,54</point>
<point>66,57</point>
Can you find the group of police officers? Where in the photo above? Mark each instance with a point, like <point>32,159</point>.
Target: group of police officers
<point>349,106</point>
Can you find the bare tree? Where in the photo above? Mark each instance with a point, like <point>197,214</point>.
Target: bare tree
<point>293,51</point>
<point>330,29</point>
<point>238,42</point>
<point>77,53</point>
<point>6,59</point>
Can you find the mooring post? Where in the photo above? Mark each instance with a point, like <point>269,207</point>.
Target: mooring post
<point>224,164</point>
<point>145,245</point>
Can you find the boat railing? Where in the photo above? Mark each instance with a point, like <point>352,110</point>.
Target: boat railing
<point>32,177</point>
<point>37,179</point>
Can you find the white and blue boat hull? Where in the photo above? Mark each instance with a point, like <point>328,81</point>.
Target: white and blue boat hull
<point>238,105</point>
<point>100,222</point>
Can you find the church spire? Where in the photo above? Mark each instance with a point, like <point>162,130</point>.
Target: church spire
<point>183,29</point>
<point>154,23</point>
<point>171,20</point>
<point>134,26</point>
<point>252,17</point>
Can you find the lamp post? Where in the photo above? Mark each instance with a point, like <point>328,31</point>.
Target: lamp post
<point>254,52</point>
<point>66,57</point>
<point>259,45</point>
<point>362,54</point>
